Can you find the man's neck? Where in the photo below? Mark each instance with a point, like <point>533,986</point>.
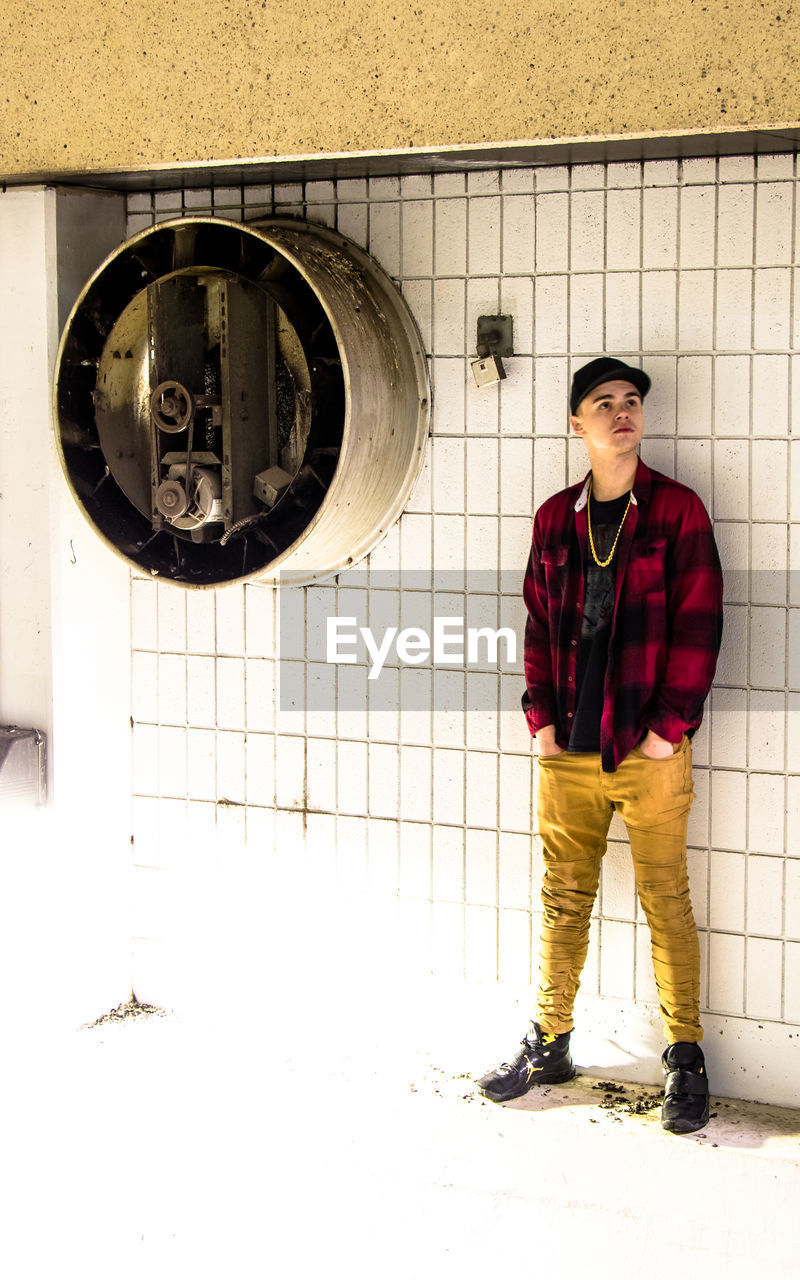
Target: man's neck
<point>610,481</point>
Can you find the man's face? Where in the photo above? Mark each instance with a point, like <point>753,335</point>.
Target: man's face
<point>610,419</point>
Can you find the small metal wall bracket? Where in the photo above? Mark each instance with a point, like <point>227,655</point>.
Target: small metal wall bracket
<point>23,765</point>
<point>495,340</point>
<point>495,336</point>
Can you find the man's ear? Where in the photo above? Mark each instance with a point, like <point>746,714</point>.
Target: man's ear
<point>576,425</point>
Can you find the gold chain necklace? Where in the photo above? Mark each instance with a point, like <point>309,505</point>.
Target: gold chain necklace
<point>603,564</point>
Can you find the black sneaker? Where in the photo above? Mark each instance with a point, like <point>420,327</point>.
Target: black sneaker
<point>543,1059</point>
<point>686,1099</point>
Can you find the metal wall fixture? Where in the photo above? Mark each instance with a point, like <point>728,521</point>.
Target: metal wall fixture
<point>495,340</point>
<point>241,400</point>
<point>23,765</point>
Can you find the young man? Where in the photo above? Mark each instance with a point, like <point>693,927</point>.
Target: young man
<point>624,598</point>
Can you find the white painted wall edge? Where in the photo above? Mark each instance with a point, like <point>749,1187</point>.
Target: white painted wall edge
<point>64,664</point>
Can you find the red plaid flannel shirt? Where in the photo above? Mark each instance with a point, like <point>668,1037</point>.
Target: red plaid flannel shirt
<point>666,626</point>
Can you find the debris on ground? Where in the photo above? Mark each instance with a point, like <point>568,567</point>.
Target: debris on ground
<point>132,1009</point>
<point>459,1086</point>
<point>616,1099</point>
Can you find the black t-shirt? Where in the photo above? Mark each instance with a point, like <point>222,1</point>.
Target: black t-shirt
<point>598,608</point>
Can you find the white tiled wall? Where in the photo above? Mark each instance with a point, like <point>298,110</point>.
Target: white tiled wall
<point>688,267</point>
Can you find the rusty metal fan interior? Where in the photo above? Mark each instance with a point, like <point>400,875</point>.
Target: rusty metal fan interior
<point>232,399</point>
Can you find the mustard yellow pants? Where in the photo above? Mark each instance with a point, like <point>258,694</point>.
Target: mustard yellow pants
<point>576,803</point>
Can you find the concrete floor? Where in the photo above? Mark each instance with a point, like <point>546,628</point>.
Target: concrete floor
<point>255,1141</point>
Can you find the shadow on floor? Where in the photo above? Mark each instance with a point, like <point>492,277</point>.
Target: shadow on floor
<point>742,1125</point>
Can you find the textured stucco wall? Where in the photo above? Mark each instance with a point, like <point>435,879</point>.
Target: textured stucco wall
<point>95,84</point>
